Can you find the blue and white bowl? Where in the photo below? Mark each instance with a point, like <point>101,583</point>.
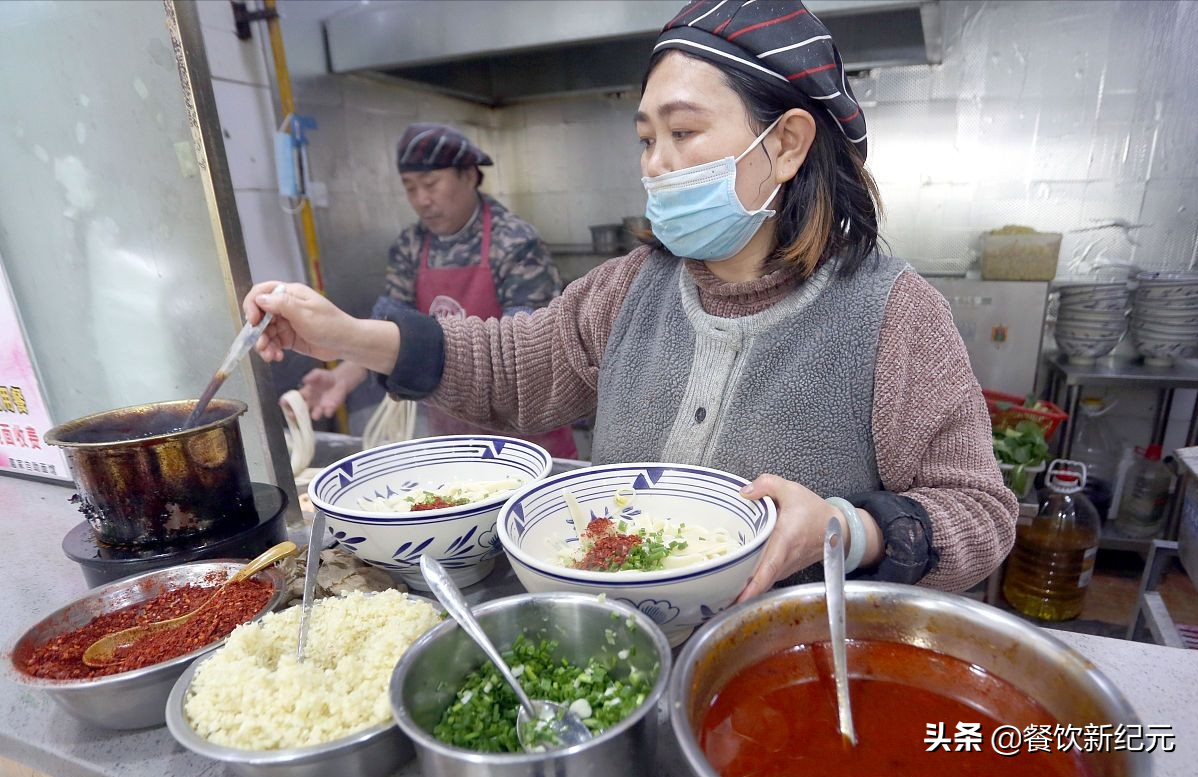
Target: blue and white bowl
<point>1155,328</point>
<point>536,520</point>
<point>1112,305</point>
<point>1163,350</point>
<point>1153,300</point>
<point>1089,288</point>
<point>1091,329</point>
<point>1152,278</point>
<point>462,538</point>
<point>1085,349</point>
<point>1180,317</point>
<point>1167,288</point>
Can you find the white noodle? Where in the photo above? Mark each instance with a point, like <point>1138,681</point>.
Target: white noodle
<point>702,543</point>
<point>469,490</point>
<point>302,440</point>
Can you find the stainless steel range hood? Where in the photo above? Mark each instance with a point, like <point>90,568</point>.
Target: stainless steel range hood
<point>502,52</point>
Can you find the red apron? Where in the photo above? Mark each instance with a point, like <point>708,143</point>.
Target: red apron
<point>470,291</point>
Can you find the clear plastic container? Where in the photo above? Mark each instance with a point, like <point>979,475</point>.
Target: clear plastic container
<point>1145,495</point>
<point>1100,450</point>
<point>1052,562</point>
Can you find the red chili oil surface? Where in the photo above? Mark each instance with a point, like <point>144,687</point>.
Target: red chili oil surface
<point>608,548</point>
<point>779,718</point>
<point>61,658</point>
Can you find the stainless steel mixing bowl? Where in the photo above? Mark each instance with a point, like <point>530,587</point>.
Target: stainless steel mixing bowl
<point>372,752</point>
<point>128,700</point>
<point>428,676</point>
<point>1067,685</point>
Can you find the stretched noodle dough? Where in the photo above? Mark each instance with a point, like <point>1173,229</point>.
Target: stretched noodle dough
<point>301,440</point>
<point>392,421</point>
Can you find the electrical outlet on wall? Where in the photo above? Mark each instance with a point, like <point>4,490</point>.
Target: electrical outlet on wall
<point>318,193</point>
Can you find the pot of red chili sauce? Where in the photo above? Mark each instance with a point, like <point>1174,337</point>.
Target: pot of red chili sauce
<point>940,685</point>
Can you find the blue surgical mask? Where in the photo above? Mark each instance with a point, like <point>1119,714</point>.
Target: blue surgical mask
<point>695,211</point>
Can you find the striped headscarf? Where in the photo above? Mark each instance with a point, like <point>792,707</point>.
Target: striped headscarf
<point>774,40</point>
<point>425,146</point>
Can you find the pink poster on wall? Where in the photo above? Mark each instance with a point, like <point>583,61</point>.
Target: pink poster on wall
<point>24,419</point>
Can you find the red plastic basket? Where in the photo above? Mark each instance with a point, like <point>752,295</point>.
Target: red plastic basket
<point>1007,410</point>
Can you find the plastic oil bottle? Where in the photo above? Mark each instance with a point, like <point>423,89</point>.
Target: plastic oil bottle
<point>1053,559</point>
<point>1146,495</point>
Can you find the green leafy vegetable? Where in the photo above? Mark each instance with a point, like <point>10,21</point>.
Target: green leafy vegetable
<point>483,714</point>
<point>651,553</point>
<point>1023,446</point>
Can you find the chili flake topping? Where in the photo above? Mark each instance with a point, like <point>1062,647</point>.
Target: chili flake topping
<point>607,547</point>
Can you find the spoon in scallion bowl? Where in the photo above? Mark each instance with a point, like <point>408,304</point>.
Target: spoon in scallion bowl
<point>540,725</point>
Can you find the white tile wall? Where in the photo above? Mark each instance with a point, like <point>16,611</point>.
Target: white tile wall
<point>270,238</point>
<point>215,15</point>
<point>1059,113</point>
<point>241,85</point>
<point>233,59</point>
<point>247,123</point>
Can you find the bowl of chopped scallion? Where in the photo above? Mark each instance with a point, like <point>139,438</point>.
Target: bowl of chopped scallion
<point>606,661</point>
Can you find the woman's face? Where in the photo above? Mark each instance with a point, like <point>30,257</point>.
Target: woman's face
<point>688,116</point>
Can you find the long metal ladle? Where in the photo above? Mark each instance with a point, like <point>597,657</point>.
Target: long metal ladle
<point>834,591</point>
<point>539,724</point>
<point>242,344</point>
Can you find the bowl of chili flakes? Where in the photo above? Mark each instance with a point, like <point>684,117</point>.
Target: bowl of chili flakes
<point>132,693</point>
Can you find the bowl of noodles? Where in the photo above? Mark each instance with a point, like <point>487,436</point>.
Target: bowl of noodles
<point>392,504</point>
<point>677,542</point>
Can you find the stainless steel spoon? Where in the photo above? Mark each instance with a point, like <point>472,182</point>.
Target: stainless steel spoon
<point>834,591</point>
<point>311,567</point>
<point>540,725</point>
<point>242,344</point>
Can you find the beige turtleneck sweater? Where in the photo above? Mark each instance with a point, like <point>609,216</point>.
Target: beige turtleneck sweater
<point>931,429</point>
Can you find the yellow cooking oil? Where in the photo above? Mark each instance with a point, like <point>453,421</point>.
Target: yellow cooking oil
<point>1052,562</point>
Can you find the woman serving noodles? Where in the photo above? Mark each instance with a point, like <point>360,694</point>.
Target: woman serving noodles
<point>762,332</point>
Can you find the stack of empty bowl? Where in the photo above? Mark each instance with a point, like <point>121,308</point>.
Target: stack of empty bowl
<point>1091,319</point>
<point>1165,316</point>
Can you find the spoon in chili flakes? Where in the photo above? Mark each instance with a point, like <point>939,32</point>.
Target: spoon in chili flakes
<point>101,652</point>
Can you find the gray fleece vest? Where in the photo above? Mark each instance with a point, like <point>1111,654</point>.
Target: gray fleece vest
<point>788,390</point>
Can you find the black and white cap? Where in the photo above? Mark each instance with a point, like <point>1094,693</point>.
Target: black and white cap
<point>427,146</point>
<point>779,40</point>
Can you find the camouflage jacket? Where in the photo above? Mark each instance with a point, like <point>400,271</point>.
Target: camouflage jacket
<point>523,271</point>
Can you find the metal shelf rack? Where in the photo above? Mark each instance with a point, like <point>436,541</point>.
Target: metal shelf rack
<point>1070,379</point>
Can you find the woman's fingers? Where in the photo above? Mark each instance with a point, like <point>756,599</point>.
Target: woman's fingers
<point>768,485</point>
<point>772,559</point>
<point>790,547</point>
<point>250,306</point>
<point>765,574</point>
<point>286,310</point>
<point>275,340</point>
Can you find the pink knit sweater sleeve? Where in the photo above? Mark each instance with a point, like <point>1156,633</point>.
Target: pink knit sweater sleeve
<point>533,372</point>
<point>932,435</point>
